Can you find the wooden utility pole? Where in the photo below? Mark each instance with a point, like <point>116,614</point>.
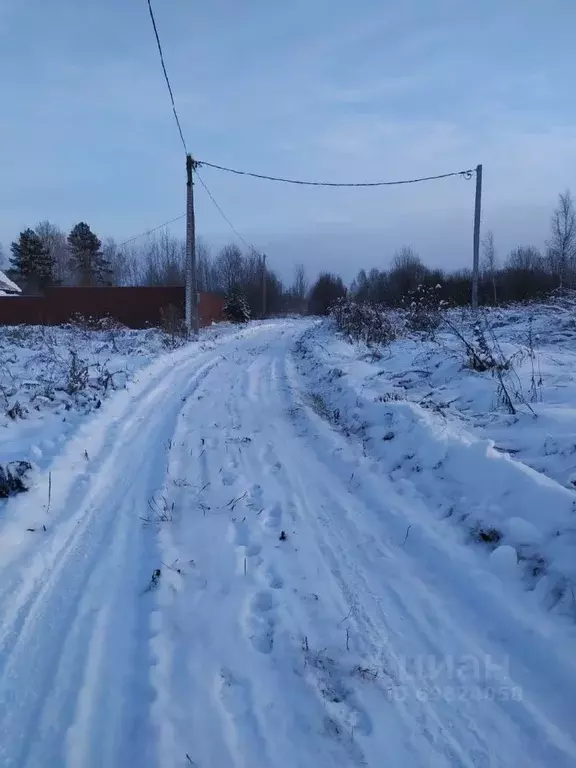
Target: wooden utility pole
<point>264,286</point>
<point>192,319</point>
<point>477,216</point>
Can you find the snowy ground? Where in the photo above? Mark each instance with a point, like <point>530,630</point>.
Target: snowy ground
<point>428,418</point>
<point>51,378</point>
<point>237,571</point>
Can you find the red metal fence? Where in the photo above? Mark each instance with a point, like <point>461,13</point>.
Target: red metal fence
<point>133,307</point>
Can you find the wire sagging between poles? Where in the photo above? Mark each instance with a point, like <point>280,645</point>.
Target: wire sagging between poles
<point>159,44</point>
<point>467,174</point>
<point>221,212</point>
<point>150,231</point>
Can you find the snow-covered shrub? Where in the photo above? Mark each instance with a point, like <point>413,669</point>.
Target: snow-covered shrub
<point>16,411</point>
<point>364,322</point>
<point>13,477</point>
<point>77,374</point>
<point>237,309</point>
<point>484,353</point>
<point>87,323</point>
<point>173,325</point>
<point>70,367</point>
<point>424,309</point>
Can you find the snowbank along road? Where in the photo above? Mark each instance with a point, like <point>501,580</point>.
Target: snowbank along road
<point>225,579</point>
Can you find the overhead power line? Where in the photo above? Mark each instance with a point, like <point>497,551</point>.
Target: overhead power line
<point>226,219</point>
<point>159,44</point>
<point>150,231</point>
<point>183,215</point>
<point>467,174</point>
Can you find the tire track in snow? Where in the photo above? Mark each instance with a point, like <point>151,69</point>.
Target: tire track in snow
<point>52,640</point>
<point>345,717</point>
<point>454,593</point>
<point>223,695</point>
<point>336,716</point>
<point>233,625</point>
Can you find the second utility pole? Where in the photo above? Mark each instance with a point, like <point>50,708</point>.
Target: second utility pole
<point>476,255</point>
<point>264,285</point>
<point>192,319</point>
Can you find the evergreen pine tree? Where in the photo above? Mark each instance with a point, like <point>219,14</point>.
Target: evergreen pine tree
<point>237,309</point>
<point>31,263</point>
<point>87,258</point>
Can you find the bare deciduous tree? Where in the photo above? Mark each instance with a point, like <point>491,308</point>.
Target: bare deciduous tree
<point>298,291</point>
<point>123,263</point>
<point>525,257</point>
<point>407,272</point>
<point>300,285</point>
<point>294,299</point>
<point>229,268</point>
<point>163,261</point>
<point>54,240</point>
<point>489,264</point>
<point>562,243</point>
<point>525,275</point>
<point>204,271</point>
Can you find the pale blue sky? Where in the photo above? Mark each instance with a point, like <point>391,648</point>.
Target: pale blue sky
<point>318,89</point>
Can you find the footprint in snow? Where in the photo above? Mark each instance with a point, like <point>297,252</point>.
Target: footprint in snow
<point>255,495</point>
<point>273,579</point>
<point>240,533</point>
<point>271,459</point>
<point>272,518</point>
<point>235,695</point>
<point>228,478</point>
<point>261,621</point>
<point>329,678</point>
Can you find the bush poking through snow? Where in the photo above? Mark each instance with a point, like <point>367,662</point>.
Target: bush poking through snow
<point>154,582</point>
<point>536,382</point>
<point>237,309</point>
<point>72,367</point>
<point>78,374</point>
<point>424,309</point>
<point>17,411</point>
<point>363,322</point>
<point>12,478</point>
<point>489,535</point>
<point>159,512</point>
<point>173,325</point>
<point>484,353</point>
<point>318,404</point>
<point>391,397</point>
<point>481,357</point>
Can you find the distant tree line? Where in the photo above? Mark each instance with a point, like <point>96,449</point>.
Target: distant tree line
<point>46,256</point>
<point>526,273</point>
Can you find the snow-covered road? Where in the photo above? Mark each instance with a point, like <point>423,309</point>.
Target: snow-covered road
<point>225,580</point>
